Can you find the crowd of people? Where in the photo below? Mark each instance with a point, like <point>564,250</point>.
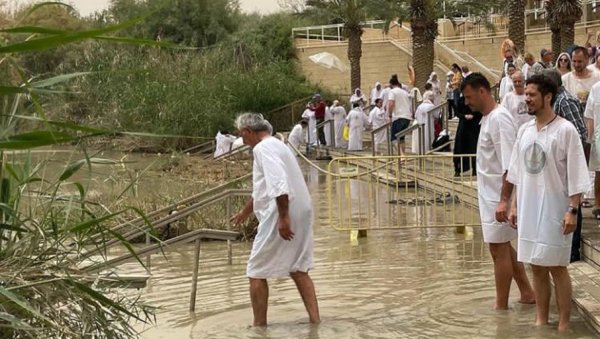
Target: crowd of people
<point>537,153</point>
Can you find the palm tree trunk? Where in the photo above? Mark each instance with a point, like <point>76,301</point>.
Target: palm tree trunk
<point>423,56</point>
<point>556,40</point>
<point>354,55</point>
<point>567,36</point>
<point>516,23</point>
<point>424,30</point>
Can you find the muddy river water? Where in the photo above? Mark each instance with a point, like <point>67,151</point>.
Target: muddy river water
<point>391,284</point>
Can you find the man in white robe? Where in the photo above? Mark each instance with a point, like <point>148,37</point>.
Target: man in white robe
<point>328,126</point>
<point>494,146</point>
<point>296,136</point>
<point>425,119</point>
<point>549,170</point>
<point>356,120</point>
<point>223,143</point>
<point>339,121</point>
<point>514,101</point>
<point>377,119</point>
<point>281,202</point>
<point>376,93</point>
<point>311,132</point>
<point>506,84</point>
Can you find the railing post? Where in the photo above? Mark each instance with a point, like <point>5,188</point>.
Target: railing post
<point>322,35</point>
<point>339,34</point>
<point>307,37</point>
<point>148,257</point>
<point>373,150</point>
<point>229,247</point>
<point>195,276</point>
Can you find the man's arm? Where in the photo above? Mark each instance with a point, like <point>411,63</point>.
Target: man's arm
<point>570,219</point>
<point>505,194</point>
<point>284,222</point>
<point>244,213</point>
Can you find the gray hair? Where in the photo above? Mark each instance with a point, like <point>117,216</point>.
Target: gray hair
<point>554,75</point>
<point>254,122</point>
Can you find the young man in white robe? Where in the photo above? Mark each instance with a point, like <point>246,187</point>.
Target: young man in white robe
<point>296,136</point>
<point>283,246</point>
<point>506,84</point>
<point>339,121</point>
<point>549,170</point>
<point>514,101</point>
<point>377,119</point>
<point>328,128</point>
<point>494,148</point>
<point>357,120</point>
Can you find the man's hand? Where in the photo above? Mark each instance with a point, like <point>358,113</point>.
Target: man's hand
<point>502,212</point>
<point>239,218</point>
<point>512,217</point>
<point>569,223</point>
<point>285,227</point>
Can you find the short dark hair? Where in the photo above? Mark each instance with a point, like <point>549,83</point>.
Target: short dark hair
<point>456,66</point>
<point>476,81</point>
<point>544,83</point>
<point>582,50</point>
<point>303,122</point>
<point>378,100</point>
<point>511,65</point>
<point>394,80</point>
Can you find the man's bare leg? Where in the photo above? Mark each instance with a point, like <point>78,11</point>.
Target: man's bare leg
<point>503,273</point>
<point>307,291</point>
<point>562,288</point>
<point>541,286</point>
<point>259,296</point>
<point>520,276</point>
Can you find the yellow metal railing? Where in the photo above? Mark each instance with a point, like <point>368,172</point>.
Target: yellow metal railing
<point>401,192</point>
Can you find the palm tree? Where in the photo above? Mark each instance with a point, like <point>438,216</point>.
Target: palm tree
<point>561,16</point>
<point>516,23</point>
<point>423,22</point>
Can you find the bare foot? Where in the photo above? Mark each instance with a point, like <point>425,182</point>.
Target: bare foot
<point>563,327</point>
<point>500,307</point>
<point>527,300</point>
<point>539,322</point>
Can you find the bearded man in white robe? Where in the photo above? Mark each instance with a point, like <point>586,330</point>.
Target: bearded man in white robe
<point>283,246</point>
<point>494,147</point>
<point>548,168</point>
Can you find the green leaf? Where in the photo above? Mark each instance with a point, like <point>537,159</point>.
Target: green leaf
<point>35,139</point>
<point>16,299</point>
<point>5,90</point>
<point>71,169</point>
<point>57,79</point>
<point>93,222</point>
<point>32,29</point>
<point>12,228</point>
<point>62,39</point>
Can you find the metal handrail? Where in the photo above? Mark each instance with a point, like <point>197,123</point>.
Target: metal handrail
<point>194,236</point>
<point>202,145</point>
<point>233,152</point>
<point>329,122</point>
<point>410,129</point>
<point>449,142</point>
<point>387,126</point>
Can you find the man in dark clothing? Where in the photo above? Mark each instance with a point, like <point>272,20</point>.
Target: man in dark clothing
<point>466,138</point>
<point>320,116</point>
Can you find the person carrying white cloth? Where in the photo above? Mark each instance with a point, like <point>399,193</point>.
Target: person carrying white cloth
<point>549,170</point>
<point>283,246</point>
<point>423,117</point>
<point>296,136</point>
<point>339,121</point>
<point>223,143</point>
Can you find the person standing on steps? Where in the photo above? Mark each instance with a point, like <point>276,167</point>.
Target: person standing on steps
<point>283,246</point>
<point>494,148</point>
<point>549,171</point>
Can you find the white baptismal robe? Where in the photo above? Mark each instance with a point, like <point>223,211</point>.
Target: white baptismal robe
<point>296,137</point>
<point>547,166</point>
<point>378,118</point>
<point>311,132</point>
<point>517,107</point>
<point>223,143</point>
<point>357,121</point>
<point>275,173</point>
<point>328,127</point>
<point>494,148</point>
<point>339,121</point>
<point>423,117</point>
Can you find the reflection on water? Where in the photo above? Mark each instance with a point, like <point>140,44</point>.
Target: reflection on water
<point>392,284</point>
